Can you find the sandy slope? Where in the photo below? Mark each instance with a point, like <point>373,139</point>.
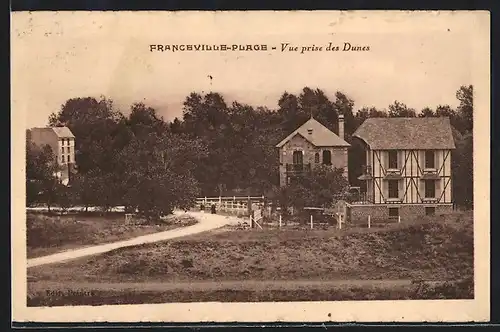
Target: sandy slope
<point>206,222</point>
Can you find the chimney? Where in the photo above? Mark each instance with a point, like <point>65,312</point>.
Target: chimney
<point>341,126</point>
<point>310,131</point>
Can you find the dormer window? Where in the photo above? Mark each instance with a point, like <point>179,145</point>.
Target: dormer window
<point>309,131</point>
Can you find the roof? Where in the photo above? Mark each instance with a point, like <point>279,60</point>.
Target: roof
<point>320,136</point>
<point>63,132</point>
<point>407,133</point>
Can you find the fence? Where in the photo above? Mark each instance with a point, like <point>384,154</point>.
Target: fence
<point>239,205</point>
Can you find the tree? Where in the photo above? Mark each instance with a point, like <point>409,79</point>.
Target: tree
<point>344,105</point>
<point>426,113</point>
<point>33,173</point>
<point>466,108</point>
<point>322,187</point>
<point>159,174</point>
<point>67,196</point>
<point>144,120</point>
<point>100,131</point>
<point>47,176</point>
<point>463,172</point>
<point>315,103</point>
<point>400,110</point>
<point>290,113</point>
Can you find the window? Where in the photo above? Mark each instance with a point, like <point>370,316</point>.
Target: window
<point>393,159</point>
<point>430,189</point>
<point>393,212</point>
<point>327,157</point>
<point>393,188</point>
<point>62,159</point>
<point>62,149</point>
<point>68,149</point>
<point>297,157</point>
<point>430,211</point>
<point>429,159</point>
<point>316,157</point>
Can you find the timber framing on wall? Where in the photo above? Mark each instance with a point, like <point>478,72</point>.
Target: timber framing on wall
<point>411,176</point>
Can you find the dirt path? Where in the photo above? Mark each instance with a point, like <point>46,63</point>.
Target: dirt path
<point>254,285</point>
<point>206,222</point>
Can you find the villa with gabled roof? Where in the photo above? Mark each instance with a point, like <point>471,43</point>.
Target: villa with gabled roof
<point>62,142</point>
<point>407,169</point>
<point>309,145</point>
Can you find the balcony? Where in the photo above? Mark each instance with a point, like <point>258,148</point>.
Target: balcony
<point>298,168</point>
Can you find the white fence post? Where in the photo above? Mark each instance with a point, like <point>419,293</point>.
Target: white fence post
<point>399,219</point>
<point>368,221</point>
<point>280,220</point>
<point>311,221</point>
<point>340,221</point>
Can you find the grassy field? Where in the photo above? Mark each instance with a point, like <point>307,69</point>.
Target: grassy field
<point>48,234</point>
<point>47,294</point>
<point>438,249</point>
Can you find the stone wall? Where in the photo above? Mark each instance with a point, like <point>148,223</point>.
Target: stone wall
<point>298,143</point>
<point>360,213</point>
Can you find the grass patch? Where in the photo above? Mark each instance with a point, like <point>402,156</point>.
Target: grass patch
<point>47,234</point>
<point>323,292</point>
<point>439,248</point>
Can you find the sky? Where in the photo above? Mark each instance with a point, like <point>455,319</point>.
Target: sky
<point>418,60</point>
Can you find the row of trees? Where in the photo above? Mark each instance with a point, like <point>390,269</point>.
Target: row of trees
<point>146,163</point>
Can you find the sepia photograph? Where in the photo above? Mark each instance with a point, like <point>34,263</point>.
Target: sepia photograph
<point>334,159</point>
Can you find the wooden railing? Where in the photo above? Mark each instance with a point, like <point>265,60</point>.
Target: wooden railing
<point>298,168</point>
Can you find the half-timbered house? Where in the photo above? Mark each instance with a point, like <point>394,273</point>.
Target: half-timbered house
<point>407,169</point>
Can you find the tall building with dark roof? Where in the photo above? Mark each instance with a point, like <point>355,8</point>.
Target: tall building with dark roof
<point>407,169</point>
<point>62,142</point>
<point>309,145</point>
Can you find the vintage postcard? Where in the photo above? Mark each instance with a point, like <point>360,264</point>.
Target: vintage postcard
<point>250,166</point>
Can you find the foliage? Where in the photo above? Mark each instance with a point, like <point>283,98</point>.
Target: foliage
<point>466,107</point>
<point>400,110</point>
<point>146,163</point>
<point>319,188</point>
<point>41,175</point>
<point>462,171</point>
<point>158,175</point>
